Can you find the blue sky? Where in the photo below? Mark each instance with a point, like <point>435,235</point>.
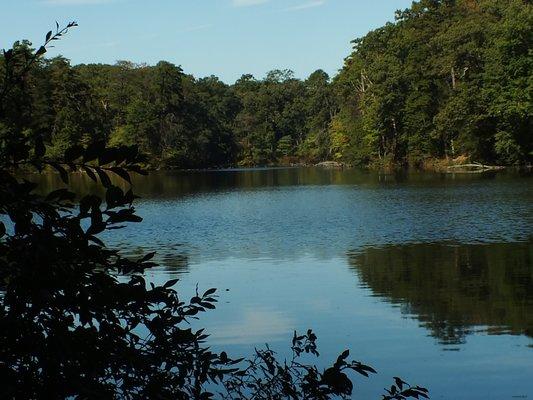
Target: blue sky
<point>222,37</point>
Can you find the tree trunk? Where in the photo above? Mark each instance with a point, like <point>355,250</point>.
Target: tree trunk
<point>453,78</point>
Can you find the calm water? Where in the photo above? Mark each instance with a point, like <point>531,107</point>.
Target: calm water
<point>425,276</point>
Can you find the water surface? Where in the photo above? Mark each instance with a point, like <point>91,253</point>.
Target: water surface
<point>425,276</point>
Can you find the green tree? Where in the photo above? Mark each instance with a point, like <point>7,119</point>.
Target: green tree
<point>446,79</point>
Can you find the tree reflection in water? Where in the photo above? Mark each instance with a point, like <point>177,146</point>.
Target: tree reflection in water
<point>454,290</point>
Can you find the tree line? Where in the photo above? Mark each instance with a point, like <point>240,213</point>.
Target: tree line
<point>446,79</point>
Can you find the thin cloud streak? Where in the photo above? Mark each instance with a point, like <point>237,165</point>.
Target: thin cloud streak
<point>248,3</point>
<point>196,28</point>
<point>311,4</point>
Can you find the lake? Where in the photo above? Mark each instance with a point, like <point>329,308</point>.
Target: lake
<point>424,276</point>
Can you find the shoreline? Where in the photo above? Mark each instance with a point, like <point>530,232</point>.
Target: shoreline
<point>426,167</point>
<point>434,166</point>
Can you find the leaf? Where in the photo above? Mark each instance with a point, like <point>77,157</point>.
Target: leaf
<point>89,172</point>
<point>103,177</point>
<point>96,216</point>
<point>130,153</point>
<point>399,382</point>
<point>122,173</point>
<point>123,215</point>
<point>209,291</point>
<point>133,218</point>
<point>96,228</point>
<point>129,197</point>
<point>62,172</point>
<point>367,368</point>
<point>147,257</point>
<point>422,389</point>
<point>41,51</point>
<point>73,153</point>
<point>338,381</point>
<point>86,203</point>
<point>139,170</point>
<point>107,156</point>
<point>114,196</point>
<point>60,194</point>
<point>40,149</point>
<point>170,283</point>
<point>48,36</point>
<point>93,151</point>
<point>224,356</point>
<point>94,239</point>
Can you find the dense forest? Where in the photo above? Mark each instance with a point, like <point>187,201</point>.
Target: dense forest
<point>447,80</point>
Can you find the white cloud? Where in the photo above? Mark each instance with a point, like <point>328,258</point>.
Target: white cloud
<point>252,327</point>
<point>196,28</point>
<point>247,3</point>
<point>310,4</point>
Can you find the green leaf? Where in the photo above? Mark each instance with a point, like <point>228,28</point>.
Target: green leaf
<point>41,51</point>
<point>89,172</point>
<point>147,257</point>
<point>104,178</point>
<point>62,172</point>
<point>399,382</point>
<point>129,197</point>
<point>170,283</point>
<point>207,305</point>
<point>96,228</point>
<point>40,149</point>
<point>93,151</point>
<point>122,173</point>
<point>139,170</point>
<point>94,239</point>
<point>107,156</point>
<point>344,354</point>
<point>73,153</point>
<point>89,202</point>
<point>8,54</point>
<point>60,194</point>
<point>114,196</point>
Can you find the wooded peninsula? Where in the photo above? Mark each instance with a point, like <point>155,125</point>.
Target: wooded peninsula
<point>447,80</point>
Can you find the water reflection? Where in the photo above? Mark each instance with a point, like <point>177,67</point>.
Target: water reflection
<point>454,290</point>
<point>291,213</point>
<point>171,184</point>
<point>253,326</point>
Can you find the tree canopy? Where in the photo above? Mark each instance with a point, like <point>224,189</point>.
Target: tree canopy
<point>447,79</point>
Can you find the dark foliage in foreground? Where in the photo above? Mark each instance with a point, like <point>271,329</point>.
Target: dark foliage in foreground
<point>78,320</point>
